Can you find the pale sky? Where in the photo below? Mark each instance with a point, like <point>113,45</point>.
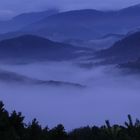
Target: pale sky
<point>9,8</point>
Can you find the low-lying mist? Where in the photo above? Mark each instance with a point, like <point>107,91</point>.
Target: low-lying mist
<point>108,94</point>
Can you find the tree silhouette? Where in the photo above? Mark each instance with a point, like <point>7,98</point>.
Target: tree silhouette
<point>12,127</point>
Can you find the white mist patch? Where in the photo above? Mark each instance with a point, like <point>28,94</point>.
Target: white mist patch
<point>108,95</point>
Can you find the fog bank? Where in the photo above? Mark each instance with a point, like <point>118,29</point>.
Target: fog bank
<point>108,94</point>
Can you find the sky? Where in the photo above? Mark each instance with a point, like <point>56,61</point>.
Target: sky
<point>9,8</point>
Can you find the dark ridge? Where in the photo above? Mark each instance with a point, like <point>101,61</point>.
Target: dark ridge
<point>127,49</point>
<point>31,47</point>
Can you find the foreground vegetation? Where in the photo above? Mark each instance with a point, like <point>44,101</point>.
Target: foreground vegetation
<point>12,127</point>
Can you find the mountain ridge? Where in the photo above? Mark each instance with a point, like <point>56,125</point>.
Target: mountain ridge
<point>33,47</point>
<point>85,24</point>
<point>125,50</point>
<point>24,19</point>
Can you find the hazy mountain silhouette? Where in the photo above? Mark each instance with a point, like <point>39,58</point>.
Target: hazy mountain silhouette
<point>81,24</point>
<point>87,24</point>
<point>24,19</point>
<point>34,48</point>
<point>125,50</point>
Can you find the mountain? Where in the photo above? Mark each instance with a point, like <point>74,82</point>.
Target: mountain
<point>86,24</point>
<point>24,19</point>
<point>130,11</point>
<point>72,24</point>
<point>123,51</point>
<point>14,78</point>
<point>34,48</point>
<point>131,66</point>
<point>79,24</point>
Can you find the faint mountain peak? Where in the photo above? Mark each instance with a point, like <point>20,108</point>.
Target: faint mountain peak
<point>29,37</point>
<point>39,15</point>
<point>22,20</point>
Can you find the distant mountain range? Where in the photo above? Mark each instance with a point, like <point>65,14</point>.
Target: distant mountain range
<point>123,51</point>
<point>24,37</point>
<point>87,24</point>
<point>20,21</point>
<point>34,48</point>
<point>78,24</point>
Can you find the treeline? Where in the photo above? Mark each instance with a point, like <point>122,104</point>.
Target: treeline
<point>12,127</point>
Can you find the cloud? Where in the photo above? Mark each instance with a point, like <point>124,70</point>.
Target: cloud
<point>20,6</point>
<point>107,95</point>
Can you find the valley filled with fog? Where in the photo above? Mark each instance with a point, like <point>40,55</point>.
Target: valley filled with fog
<point>105,93</point>
<point>75,68</point>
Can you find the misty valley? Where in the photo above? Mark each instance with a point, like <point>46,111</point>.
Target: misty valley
<point>76,68</point>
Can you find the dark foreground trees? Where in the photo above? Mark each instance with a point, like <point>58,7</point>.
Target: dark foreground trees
<point>12,127</point>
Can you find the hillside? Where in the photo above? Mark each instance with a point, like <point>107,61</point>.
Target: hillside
<point>34,48</point>
<point>22,20</point>
<point>127,49</point>
<point>87,24</point>
<point>131,66</point>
